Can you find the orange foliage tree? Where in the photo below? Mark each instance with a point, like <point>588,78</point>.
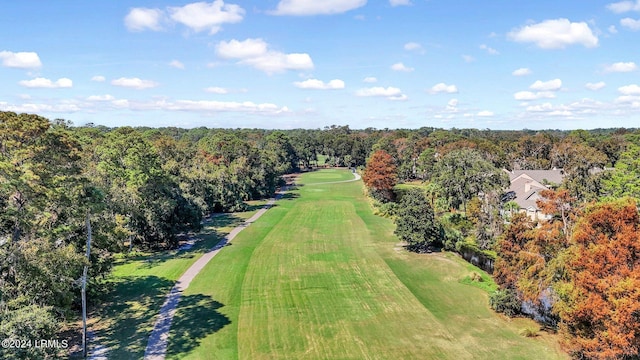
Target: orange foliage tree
<point>599,303</point>
<point>531,257</point>
<point>380,174</point>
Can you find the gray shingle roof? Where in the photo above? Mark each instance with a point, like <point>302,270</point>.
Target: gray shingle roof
<point>551,176</point>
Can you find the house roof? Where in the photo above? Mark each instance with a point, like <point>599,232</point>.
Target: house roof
<point>554,176</point>
<point>527,191</point>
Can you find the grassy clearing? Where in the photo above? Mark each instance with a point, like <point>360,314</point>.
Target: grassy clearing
<point>328,175</point>
<point>140,284</point>
<point>411,185</point>
<point>320,277</point>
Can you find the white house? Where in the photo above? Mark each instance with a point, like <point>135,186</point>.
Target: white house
<point>525,188</point>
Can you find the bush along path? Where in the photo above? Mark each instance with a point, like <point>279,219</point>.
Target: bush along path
<point>158,339</point>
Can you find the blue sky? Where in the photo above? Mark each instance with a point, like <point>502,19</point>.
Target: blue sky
<point>308,64</point>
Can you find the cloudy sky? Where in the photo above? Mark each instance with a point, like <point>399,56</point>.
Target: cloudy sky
<point>311,63</point>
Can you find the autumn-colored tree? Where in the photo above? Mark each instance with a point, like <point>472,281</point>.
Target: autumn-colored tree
<point>518,234</point>
<point>559,204</point>
<point>380,174</point>
<point>600,301</point>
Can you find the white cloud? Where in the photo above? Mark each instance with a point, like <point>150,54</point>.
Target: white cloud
<point>63,107</point>
<point>628,99</point>
<point>489,50</point>
<point>412,46</point>
<point>468,58</point>
<point>46,83</point>
<point>273,62</point>
<point>20,60</point>
<point>140,19</point>
<point>235,49</point>
<point>198,16</point>
<point>370,80</point>
<point>612,29</point>
<point>391,93</point>
<point>575,110</point>
<point>443,88</point>
<point>551,85</point>
<point>401,97</point>
<point>540,108</point>
<point>521,72</point>
<point>595,86</point>
<point>401,67</point>
<point>219,106</point>
<point>379,91</point>
<point>528,95</point>
<point>485,113</point>
<point>395,3</point>
<point>313,7</point>
<point>621,67</point>
<point>630,23</point>
<point>555,34</point>
<point>202,16</point>
<point>256,53</point>
<point>452,105</point>
<point>100,98</point>
<point>176,64</point>
<point>98,78</point>
<point>134,83</point>
<point>624,6</point>
<point>632,89</point>
<point>216,90</point>
<point>316,84</point>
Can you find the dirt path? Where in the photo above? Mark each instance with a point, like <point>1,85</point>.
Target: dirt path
<point>158,339</point>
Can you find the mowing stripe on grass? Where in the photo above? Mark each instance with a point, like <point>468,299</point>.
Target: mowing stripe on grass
<point>321,277</point>
<point>157,344</point>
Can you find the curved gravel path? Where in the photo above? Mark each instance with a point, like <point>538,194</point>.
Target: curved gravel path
<point>157,344</point>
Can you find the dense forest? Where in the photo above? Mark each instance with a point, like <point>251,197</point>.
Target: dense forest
<point>577,271</point>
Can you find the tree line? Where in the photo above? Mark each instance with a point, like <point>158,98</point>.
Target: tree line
<point>140,188</point>
<point>143,187</point>
<point>577,272</point>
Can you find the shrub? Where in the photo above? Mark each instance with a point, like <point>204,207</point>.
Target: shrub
<point>505,301</point>
<point>25,324</point>
<point>529,332</point>
<point>475,277</point>
<point>387,210</point>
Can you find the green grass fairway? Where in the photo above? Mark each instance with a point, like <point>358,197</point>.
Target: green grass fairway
<point>328,175</point>
<point>140,284</point>
<point>320,277</point>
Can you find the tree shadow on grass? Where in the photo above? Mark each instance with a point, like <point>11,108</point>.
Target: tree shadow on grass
<point>221,220</point>
<point>206,241</point>
<point>130,311</point>
<point>197,317</point>
<point>289,196</point>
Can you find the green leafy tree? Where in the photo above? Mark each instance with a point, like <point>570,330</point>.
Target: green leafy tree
<point>579,160</point>
<point>416,223</point>
<point>624,180</point>
<point>279,153</point>
<point>463,174</point>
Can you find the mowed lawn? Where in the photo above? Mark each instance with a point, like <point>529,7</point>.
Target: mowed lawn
<point>140,283</point>
<point>320,277</point>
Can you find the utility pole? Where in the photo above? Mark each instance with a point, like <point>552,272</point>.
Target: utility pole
<point>84,289</point>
